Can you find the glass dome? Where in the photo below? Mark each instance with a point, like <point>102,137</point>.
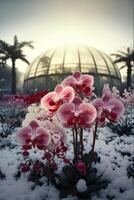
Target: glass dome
<point>54,65</point>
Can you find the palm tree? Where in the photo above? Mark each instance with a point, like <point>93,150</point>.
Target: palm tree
<point>13,52</point>
<point>128,59</point>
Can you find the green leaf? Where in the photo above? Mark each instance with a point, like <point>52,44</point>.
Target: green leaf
<point>91,177</point>
<point>95,157</point>
<point>86,158</point>
<point>65,183</point>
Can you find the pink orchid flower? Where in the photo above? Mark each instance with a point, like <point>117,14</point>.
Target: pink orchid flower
<point>33,135</point>
<point>81,83</point>
<point>77,114</point>
<point>60,95</point>
<point>108,107</point>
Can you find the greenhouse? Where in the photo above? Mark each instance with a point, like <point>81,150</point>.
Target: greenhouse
<point>54,65</point>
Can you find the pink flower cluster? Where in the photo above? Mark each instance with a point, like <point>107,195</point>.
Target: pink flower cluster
<point>108,107</point>
<point>66,107</point>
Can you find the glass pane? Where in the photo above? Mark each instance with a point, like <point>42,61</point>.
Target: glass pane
<point>88,68</point>
<point>52,81</point>
<point>104,80</point>
<point>85,56</point>
<point>30,85</point>
<point>98,59</point>
<point>49,53</point>
<point>55,69</point>
<point>34,64</point>
<point>40,84</point>
<point>31,74</point>
<point>102,69</point>
<point>58,56</point>
<point>70,68</point>
<point>40,72</point>
<point>71,55</point>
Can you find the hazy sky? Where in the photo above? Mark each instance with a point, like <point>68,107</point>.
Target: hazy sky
<point>104,24</point>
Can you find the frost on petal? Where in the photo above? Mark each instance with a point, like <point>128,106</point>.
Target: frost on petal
<point>66,112</point>
<point>58,89</point>
<point>43,137</point>
<point>69,81</point>
<point>67,94</point>
<point>88,110</point>
<point>48,101</point>
<point>76,75</point>
<point>117,109</point>
<point>23,135</point>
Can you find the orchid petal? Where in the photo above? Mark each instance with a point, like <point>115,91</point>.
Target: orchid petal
<point>33,124</point>
<point>98,104</point>
<point>43,137</point>
<point>23,135</point>
<point>107,94</point>
<point>77,101</point>
<point>58,89</point>
<point>88,110</point>
<point>88,80</point>
<point>67,94</point>
<point>76,75</point>
<point>69,81</point>
<point>116,107</point>
<point>48,100</point>
<point>66,112</point>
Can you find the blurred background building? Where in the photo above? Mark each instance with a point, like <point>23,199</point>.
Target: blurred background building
<point>54,65</point>
<point>5,79</point>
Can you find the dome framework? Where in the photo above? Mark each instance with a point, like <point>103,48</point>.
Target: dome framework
<point>54,65</point>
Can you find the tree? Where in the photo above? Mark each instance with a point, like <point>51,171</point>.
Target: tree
<point>14,52</point>
<point>127,58</point>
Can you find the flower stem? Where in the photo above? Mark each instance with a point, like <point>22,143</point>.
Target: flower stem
<point>74,143</point>
<point>94,136</point>
<point>76,134</point>
<point>48,172</point>
<point>81,141</point>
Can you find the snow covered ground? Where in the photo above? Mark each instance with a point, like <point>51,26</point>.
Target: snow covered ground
<point>116,155</point>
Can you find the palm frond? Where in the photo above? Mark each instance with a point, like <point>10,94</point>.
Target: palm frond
<point>122,59</point>
<point>123,53</point>
<point>122,67</point>
<point>2,51</point>
<point>116,55</point>
<point>24,59</point>
<point>15,41</point>
<point>28,44</point>
<point>3,45</point>
<point>128,50</point>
